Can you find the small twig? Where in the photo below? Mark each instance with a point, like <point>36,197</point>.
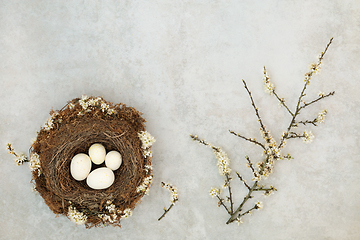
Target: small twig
<point>173,195</point>
<point>250,164</point>
<point>255,108</point>
<point>201,141</point>
<point>11,150</point>
<point>230,193</point>
<point>319,98</point>
<point>252,140</point>
<point>281,100</point>
<point>243,181</point>
<point>221,203</point>
<point>248,211</point>
<point>165,212</point>
<point>313,122</point>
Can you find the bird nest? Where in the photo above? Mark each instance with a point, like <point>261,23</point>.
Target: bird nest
<point>72,130</point>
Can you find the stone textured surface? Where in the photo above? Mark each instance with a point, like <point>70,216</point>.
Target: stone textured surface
<point>181,64</point>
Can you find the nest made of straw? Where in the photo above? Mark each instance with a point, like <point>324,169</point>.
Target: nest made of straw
<point>72,130</point>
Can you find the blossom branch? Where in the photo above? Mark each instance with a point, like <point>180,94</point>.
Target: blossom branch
<point>254,106</point>
<point>252,140</point>
<point>173,197</point>
<point>221,203</point>
<point>165,212</point>
<point>272,150</point>
<point>319,98</point>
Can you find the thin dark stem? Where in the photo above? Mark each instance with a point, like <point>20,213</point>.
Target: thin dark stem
<point>255,108</point>
<point>248,196</point>
<point>221,202</point>
<point>248,211</point>
<point>282,102</point>
<point>11,150</point>
<point>302,94</point>
<point>250,165</point>
<point>327,46</point>
<point>319,98</point>
<point>243,181</point>
<point>313,122</point>
<point>201,141</point>
<point>165,212</point>
<point>230,193</point>
<point>248,139</point>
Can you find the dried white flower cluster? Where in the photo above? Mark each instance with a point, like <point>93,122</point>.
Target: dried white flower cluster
<point>34,163</point>
<point>49,124</point>
<point>223,161</point>
<point>321,116</point>
<point>173,197</point>
<point>146,139</point>
<point>268,86</point>
<point>146,142</point>
<point>145,185</point>
<point>259,205</point>
<point>127,213</point>
<point>75,216</point>
<point>89,103</point>
<point>308,137</point>
<point>111,215</point>
<point>314,68</point>
<point>173,191</point>
<point>214,192</point>
<point>20,158</point>
<point>148,168</point>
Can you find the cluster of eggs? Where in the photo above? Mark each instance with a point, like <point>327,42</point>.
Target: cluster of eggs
<point>102,177</point>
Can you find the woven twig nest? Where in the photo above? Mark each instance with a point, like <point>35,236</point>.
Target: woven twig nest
<point>72,130</point>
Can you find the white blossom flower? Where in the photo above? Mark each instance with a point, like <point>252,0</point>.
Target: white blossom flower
<point>75,216</point>
<point>127,213</point>
<point>239,221</point>
<point>20,159</point>
<point>315,68</point>
<point>223,161</point>
<point>71,105</point>
<point>321,94</point>
<point>321,116</point>
<point>259,205</point>
<point>110,207</point>
<point>111,218</point>
<point>214,192</point>
<point>84,102</point>
<point>146,139</point>
<point>308,137</point>
<point>148,168</point>
<point>145,185</point>
<point>84,97</point>
<point>104,107</point>
<point>49,124</point>
<point>147,153</point>
<point>173,191</point>
<point>268,86</point>
<point>35,162</point>
<point>92,102</point>
<point>111,111</point>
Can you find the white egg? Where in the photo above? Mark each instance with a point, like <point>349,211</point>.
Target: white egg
<point>97,153</point>
<point>80,166</point>
<point>100,178</point>
<point>113,160</point>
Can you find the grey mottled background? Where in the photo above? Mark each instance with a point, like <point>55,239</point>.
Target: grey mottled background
<point>181,64</point>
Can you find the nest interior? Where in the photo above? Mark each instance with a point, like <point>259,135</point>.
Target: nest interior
<point>74,131</point>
